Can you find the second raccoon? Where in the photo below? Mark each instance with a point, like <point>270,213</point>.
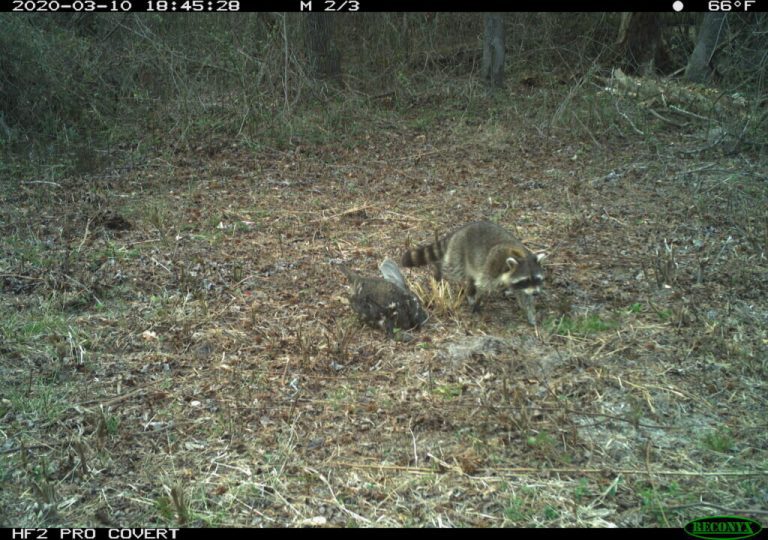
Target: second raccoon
<point>486,258</point>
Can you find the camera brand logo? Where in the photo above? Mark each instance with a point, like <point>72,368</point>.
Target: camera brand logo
<point>723,527</point>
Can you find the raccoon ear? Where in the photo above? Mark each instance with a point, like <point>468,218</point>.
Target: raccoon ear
<point>512,262</point>
<point>541,255</point>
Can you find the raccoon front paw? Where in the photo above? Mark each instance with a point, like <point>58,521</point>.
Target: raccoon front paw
<point>531,317</point>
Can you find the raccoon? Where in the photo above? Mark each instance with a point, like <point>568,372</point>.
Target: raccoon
<point>486,258</point>
<point>385,303</point>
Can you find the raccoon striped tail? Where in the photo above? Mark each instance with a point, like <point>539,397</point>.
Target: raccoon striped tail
<point>432,253</point>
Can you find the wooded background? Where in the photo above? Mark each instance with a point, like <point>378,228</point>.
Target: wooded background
<point>87,84</point>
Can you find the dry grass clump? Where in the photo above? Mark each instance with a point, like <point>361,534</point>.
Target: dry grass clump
<point>441,298</point>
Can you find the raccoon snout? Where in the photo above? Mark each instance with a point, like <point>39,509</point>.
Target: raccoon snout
<point>530,291</point>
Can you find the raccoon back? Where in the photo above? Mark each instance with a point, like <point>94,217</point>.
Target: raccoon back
<point>479,251</point>
<point>469,243</point>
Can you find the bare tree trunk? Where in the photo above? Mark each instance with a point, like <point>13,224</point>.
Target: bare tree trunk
<point>492,69</point>
<point>640,35</point>
<point>698,69</point>
<point>324,57</point>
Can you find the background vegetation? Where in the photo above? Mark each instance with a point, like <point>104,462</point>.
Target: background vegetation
<point>90,86</point>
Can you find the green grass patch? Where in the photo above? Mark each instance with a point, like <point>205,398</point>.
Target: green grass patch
<point>114,251</point>
<point>581,491</point>
<point>448,391</point>
<point>720,440</point>
<point>33,325</point>
<point>655,499</point>
<point>28,251</point>
<point>517,511</point>
<point>580,326</point>
<point>41,402</point>
<point>551,513</point>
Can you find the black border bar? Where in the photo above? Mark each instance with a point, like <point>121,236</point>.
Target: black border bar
<point>336,6</point>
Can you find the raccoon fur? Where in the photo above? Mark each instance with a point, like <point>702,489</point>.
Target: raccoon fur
<point>386,302</point>
<point>485,258</point>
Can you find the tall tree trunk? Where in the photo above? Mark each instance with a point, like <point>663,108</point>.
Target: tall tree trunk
<point>698,69</point>
<point>640,35</point>
<point>492,69</point>
<point>324,57</point>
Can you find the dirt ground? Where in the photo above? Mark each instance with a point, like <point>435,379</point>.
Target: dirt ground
<point>178,347</point>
